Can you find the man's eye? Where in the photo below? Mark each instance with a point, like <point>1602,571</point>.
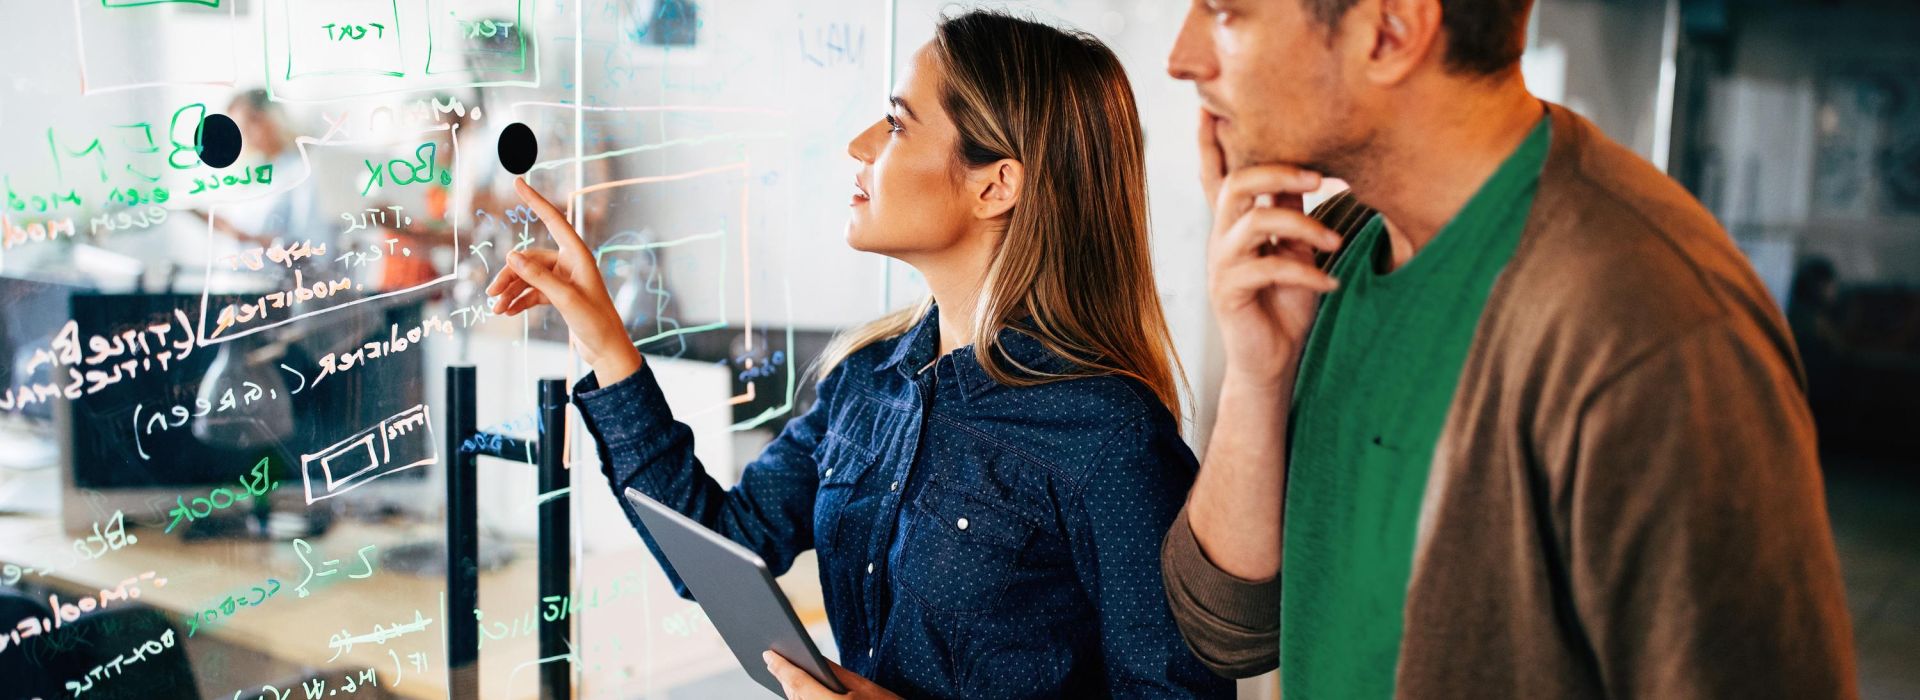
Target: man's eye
<point>893,124</point>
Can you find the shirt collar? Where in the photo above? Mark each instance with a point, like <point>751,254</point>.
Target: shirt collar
<point>916,348</point>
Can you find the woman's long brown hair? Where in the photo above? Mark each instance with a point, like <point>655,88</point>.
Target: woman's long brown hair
<point>1074,268</point>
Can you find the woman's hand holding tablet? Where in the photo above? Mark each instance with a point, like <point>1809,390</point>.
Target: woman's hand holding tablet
<point>798,685</point>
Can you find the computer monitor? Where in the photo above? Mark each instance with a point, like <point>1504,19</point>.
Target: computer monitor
<point>215,411</point>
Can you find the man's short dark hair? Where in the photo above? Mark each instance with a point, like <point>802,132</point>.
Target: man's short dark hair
<point>1483,36</point>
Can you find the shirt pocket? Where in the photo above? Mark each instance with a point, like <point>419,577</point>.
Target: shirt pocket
<point>961,549</point>
<point>1394,478</point>
<point>839,464</point>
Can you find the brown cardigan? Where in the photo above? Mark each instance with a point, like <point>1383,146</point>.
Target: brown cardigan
<point>1625,500</point>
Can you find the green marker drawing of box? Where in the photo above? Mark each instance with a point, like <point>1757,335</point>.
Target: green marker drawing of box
<point>361,37</point>
<point>482,46</point>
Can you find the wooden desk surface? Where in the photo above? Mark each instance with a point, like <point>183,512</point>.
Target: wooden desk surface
<point>630,632</point>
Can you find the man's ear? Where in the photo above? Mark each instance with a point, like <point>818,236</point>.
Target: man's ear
<point>996,187</point>
<point>1406,35</point>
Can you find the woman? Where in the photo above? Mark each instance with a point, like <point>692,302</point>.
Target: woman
<point>988,475</point>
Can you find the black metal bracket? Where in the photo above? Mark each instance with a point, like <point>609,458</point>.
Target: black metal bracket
<point>465,444</point>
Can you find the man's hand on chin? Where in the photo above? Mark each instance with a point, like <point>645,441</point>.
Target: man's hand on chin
<point>800,686</point>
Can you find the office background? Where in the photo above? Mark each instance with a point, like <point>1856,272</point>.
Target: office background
<point>703,144</point>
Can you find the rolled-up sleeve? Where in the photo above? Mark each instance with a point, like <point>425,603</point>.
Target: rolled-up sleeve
<point>1231,624</point>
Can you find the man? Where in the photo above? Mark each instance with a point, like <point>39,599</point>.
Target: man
<point>1547,436</point>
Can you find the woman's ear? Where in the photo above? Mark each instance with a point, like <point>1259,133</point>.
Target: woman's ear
<point>996,187</point>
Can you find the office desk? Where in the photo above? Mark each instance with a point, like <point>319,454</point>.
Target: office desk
<point>632,633</point>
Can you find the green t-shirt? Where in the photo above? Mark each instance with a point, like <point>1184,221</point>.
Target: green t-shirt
<point>1376,378</point>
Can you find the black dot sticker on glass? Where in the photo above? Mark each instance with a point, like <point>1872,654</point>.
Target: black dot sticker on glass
<point>518,148</point>
<point>219,140</point>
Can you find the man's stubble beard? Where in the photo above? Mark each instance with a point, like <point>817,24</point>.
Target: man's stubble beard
<point>1339,151</point>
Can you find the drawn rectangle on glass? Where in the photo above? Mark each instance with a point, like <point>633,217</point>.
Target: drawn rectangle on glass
<point>726,233</point>
<point>476,44</point>
<point>129,55</point>
<point>705,252</point>
<point>364,452</point>
<point>401,442</point>
<point>318,166</point>
<point>343,37</point>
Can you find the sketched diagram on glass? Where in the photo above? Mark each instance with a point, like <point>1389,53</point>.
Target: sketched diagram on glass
<point>679,258</point>
<point>325,50</point>
<point>295,296</point>
<point>100,29</point>
<point>640,291</point>
<point>399,443</point>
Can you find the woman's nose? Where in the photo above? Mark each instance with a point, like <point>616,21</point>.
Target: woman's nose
<point>862,146</point>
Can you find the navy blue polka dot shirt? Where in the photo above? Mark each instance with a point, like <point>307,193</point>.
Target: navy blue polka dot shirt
<point>976,540</point>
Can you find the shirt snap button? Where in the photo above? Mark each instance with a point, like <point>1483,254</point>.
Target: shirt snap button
<point>869,567</point>
<point>962,524</point>
<point>895,486</point>
<point>829,472</point>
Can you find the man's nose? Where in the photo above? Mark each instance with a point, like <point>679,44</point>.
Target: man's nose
<point>1192,54</point>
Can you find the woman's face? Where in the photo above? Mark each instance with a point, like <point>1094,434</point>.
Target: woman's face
<point>909,198</point>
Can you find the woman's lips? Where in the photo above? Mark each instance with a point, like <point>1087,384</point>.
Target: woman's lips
<point>860,195</point>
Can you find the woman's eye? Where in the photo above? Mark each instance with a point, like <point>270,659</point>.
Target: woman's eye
<point>893,125</point>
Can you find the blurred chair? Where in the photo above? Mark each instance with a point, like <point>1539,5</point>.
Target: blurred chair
<point>41,666</point>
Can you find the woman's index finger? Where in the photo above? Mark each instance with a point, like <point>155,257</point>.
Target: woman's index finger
<point>557,226</point>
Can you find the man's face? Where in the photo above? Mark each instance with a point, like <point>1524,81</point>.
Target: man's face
<point>1271,75</point>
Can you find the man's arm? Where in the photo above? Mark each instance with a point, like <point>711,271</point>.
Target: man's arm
<point>1232,625</point>
<point>1221,559</point>
<point>1699,552</point>
<point>1235,510</point>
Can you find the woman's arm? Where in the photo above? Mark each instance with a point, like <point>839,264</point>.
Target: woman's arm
<point>1123,511</point>
<point>641,446</point>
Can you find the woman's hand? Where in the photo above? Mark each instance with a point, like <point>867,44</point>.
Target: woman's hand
<point>569,279</point>
<point>800,686</point>
<point>1261,278</point>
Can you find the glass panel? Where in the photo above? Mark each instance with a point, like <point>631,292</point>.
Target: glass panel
<point>243,239</point>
